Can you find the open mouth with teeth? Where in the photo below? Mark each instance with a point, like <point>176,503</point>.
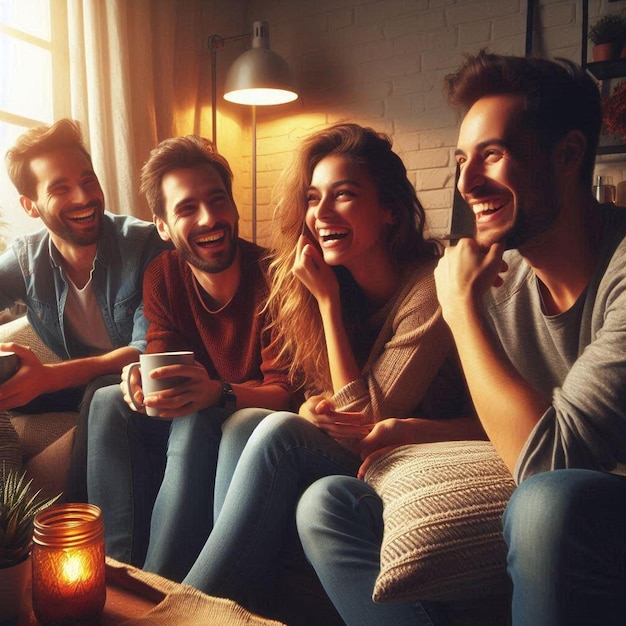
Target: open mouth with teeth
<point>484,210</point>
<point>334,234</point>
<point>82,216</point>
<point>211,239</point>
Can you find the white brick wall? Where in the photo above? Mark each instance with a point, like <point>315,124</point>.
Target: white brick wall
<point>381,63</point>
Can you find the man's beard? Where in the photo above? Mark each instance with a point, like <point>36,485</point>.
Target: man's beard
<point>529,226</point>
<point>65,232</point>
<point>217,264</point>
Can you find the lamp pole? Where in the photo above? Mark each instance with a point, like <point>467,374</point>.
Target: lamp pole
<point>254,173</point>
<point>258,77</point>
<point>215,42</point>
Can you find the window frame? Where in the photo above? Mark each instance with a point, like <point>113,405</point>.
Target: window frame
<point>58,47</point>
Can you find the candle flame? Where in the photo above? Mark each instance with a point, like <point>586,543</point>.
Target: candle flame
<point>74,569</point>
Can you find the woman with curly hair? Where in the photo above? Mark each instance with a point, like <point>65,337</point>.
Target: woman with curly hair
<point>354,306</point>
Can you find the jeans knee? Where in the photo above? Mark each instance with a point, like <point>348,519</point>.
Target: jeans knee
<point>314,512</point>
<point>523,516</point>
<point>280,426</point>
<point>329,500</point>
<point>546,499</point>
<point>242,422</point>
<point>107,408</point>
<point>542,508</point>
<point>316,501</point>
<point>195,433</point>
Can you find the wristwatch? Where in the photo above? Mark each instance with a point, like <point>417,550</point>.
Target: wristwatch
<point>228,399</point>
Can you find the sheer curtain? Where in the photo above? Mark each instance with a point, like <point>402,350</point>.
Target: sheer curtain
<point>135,77</point>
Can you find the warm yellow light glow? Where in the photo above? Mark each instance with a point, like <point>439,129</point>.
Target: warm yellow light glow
<point>261,97</point>
<point>75,569</point>
<point>69,578</point>
<point>26,97</point>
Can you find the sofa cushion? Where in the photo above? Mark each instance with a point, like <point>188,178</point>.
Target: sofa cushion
<point>442,539</point>
<point>37,431</point>
<point>56,456</point>
<point>20,331</point>
<point>10,448</point>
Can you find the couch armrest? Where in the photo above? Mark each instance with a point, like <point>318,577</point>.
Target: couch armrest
<point>39,430</point>
<point>20,331</point>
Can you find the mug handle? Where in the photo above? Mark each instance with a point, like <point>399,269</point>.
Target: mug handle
<point>131,368</point>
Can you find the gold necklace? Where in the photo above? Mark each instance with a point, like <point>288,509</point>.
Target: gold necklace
<point>196,286</point>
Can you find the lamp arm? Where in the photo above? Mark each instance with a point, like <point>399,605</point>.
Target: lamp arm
<point>214,42</point>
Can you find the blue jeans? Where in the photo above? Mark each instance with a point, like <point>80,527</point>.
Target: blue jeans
<point>130,455</point>
<point>202,453</point>
<point>75,489</point>
<point>284,455</point>
<point>566,532</point>
<point>340,525</point>
<point>126,454</point>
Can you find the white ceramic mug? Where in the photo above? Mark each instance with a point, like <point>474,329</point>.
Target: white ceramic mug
<point>9,362</point>
<point>148,362</point>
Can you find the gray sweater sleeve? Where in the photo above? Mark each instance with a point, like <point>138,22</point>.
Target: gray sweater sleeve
<point>585,425</point>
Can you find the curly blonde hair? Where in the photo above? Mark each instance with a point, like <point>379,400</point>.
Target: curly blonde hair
<point>297,321</point>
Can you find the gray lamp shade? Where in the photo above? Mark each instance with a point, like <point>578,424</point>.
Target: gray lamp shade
<point>259,76</point>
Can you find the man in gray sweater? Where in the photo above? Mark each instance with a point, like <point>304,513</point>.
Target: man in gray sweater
<point>541,330</point>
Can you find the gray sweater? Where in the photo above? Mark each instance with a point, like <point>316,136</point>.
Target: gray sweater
<point>578,358</point>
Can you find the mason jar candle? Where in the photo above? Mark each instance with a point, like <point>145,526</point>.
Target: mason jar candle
<point>69,584</point>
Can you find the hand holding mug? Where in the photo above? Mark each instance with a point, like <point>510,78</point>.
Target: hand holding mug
<point>139,383</point>
<point>9,362</point>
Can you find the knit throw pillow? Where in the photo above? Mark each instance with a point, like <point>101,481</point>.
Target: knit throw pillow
<point>10,448</point>
<point>443,504</point>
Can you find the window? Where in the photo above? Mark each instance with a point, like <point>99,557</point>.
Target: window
<point>34,86</point>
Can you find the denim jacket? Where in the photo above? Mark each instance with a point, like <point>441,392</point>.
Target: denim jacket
<point>29,274</point>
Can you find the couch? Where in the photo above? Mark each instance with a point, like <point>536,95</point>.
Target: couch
<point>43,442</point>
<point>443,504</point>
<point>45,439</point>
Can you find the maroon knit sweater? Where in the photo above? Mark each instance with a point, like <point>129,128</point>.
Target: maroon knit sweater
<point>231,344</point>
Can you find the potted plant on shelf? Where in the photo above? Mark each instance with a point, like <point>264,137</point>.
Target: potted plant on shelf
<point>18,508</point>
<point>608,35</point>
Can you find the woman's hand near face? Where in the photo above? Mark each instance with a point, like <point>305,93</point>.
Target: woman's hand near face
<point>313,272</point>
<point>318,277</point>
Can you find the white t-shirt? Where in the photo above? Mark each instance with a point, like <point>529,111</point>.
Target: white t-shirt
<point>83,317</point>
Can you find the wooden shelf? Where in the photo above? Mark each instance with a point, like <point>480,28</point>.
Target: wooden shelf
<point>604,70</point>
<point>617,149</point>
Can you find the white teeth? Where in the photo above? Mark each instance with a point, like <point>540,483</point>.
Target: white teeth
<point>327,232</point>
<point>211,238</point>
<point>81,215</point>
<point>486,207</point>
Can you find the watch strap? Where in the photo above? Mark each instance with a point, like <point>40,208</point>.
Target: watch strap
<point>228,399</point>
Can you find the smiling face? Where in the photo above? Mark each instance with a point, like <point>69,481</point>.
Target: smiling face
<point>504,176</point>
<point>345,214</point>
<point>201,219</point>
<point>69,199</point>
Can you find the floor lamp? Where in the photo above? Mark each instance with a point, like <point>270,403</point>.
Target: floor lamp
<point>259,77</point>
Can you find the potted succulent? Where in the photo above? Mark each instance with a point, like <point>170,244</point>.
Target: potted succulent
<point>608,34</point>
<point>18,508</point>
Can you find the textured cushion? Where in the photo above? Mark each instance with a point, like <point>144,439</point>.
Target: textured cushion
<point>443,504</point>
<point>38,430</point>
<point>20,331</point>
<point>10,448</point>
<point>56,456</point>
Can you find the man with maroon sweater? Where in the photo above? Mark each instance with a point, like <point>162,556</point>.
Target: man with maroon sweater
<point>206,296</point>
